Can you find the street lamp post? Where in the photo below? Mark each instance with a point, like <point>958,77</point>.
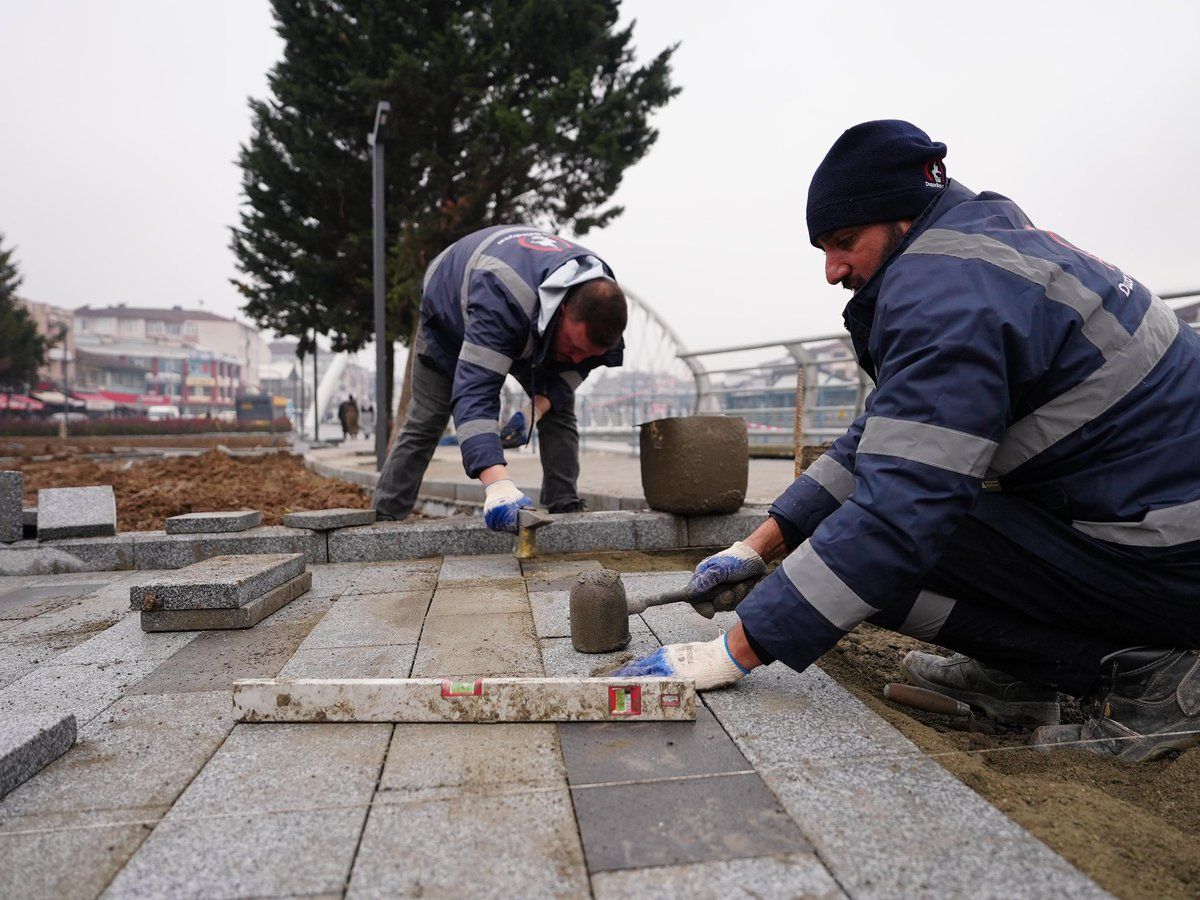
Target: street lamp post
<point>375,141</point>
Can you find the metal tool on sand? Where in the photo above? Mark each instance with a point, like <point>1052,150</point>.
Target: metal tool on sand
<point>921,698</point>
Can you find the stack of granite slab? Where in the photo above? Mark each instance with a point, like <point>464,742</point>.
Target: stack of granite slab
<point>220,592</point>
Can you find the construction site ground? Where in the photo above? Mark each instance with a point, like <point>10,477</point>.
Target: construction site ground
<point>165,795</point>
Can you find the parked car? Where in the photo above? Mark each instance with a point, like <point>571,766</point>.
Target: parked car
<point>159,413</point>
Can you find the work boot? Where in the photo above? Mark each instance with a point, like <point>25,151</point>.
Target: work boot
<point>570,506</point>
<point>1149,704</point>
<point>1000,696</point>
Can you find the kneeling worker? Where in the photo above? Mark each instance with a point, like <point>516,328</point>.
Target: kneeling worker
<point>1022,487</point>
<point>505,300</point>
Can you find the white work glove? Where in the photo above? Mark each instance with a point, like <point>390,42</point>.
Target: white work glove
<point>708,663</point>
<point>501,501</point>
<point>722,580</point>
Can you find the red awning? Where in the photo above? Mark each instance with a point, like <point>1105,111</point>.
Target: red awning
<point>20,403</point>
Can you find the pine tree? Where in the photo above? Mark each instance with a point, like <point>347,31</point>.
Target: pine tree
<point>502,111</point>
<point>22,349</point>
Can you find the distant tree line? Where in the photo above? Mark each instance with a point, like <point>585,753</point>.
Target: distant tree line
<point>22,349</point>
<point>502,111</point>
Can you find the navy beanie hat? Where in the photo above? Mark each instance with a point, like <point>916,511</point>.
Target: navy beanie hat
<point>878,171</point>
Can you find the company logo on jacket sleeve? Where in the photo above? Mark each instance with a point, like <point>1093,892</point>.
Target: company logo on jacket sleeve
<point>540,241</point>
<point>935,173</point>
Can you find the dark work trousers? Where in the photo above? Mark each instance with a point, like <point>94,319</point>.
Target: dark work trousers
<point>428,415</point>
<point>1020,590</point>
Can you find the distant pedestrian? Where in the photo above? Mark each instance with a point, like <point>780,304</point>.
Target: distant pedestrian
<point>366,419</point>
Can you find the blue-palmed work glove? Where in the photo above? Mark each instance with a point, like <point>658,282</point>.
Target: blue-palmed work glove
<point>723,580</point>
<point>708,663</point>
<point>501,501</point>
<point>514,434</point>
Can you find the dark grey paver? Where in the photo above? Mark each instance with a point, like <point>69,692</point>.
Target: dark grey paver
<point>246,616</point>
<point>223,582</point>
<point>673,822</point>
<point>281,807</point>
<point>11,523</point>
<point>371,620</point>
<point>29,522</point>
<point>28,743</point>
<point>596,752</point>
<point>416,540</point>
<point>76,512</point>
<point>329,519</point>
<point>213,522</point>
<point>797,875</point>
<point>159,550</point>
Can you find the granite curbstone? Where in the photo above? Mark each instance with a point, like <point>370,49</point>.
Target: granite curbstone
<point>581,532</point>
<point>159,550</point>
<point>102,554</point>
<point>28,743</point>
<point>659,531</point>
<point>223,582</point>
<point>329,519</point>
<point>383,541</point>
<point>721,531</point>
<point>11,515</point>
<point>76,512</point>
<point>214,522</point>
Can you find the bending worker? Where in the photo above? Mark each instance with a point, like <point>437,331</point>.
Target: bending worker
<point>1023,486</point>
<point>505,300</point>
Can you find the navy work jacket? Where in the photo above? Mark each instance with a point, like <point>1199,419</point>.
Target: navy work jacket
<point>482,319</point>
<point>1000,354</point>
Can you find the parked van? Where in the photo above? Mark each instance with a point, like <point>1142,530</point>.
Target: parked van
<point>159,413</point>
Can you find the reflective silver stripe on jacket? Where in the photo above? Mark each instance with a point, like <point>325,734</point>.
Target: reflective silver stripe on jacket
<point>933,445</point>
<point>1100,327</point>
<point>465,291</point>
<point>1092,397</point>
<point>833,476</point>
<point>522,293</point>
<point>827,593</point>
<point>927,616</point>
<point>482,356</point>
<point>476,427</point>
<point>572,378</point>
<point>1165,527</point>
<point>432,267</point>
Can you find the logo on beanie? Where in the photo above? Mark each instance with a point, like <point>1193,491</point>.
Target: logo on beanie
<point>935,174</point>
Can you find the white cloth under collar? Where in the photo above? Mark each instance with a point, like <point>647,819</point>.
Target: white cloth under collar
<point>552,291</point>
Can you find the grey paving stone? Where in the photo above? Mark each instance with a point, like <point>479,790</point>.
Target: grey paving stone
<point>33,600</point>
<point>100,554</point>
<point>796,875</point>
<point>477,646</point>
<point>886,820</point>
<point>11,523</point>
<point>247,616</point>
<point>659,531</point>
<point>159,550</point>
<point>598,752</point>
<point>214,522</point>
<point>83,691</point>
<point>679,623</point>
<point>472,757</point>
<point>555,574</point>
<point>391,578</point>
<point>323,775</point>
<point>371,620</point>
<point>674,822</point>
<point>562,660</point>
<point>76,512</point>
<point>475,568</point>
<point>223,582</point>
<point>479,846</point>
<point>416,540</point>
<point>351,662</point>
<point>582,532</point>
<point>721,531</point>
<point>123,642</point>
<point>333,581</point>
<point>645,585</point>
<point>215,659</point>
<point>140,751</point>
<point>17,660</point>
<point>28,743</point>
<point>29,522</point>
<point>470,598</point>
<point>328,519</point>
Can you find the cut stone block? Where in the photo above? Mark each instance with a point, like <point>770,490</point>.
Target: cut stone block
<point>371,620</point>
<point>721,531</point>
<point>29,522</point>
<point>659,531</point>
<point>214,522</point>
<point>484,597</point>
<point>763,878</point>
<point>581,532</point>
<point>351,662</point>
<point>223,582</point>
<point>472,568</point>
<point>241,617</point>
<point>465,535</point>
<point>329,519</point>
<point>478,645</point>
<point>394,578</point>
<point>80,690</point>
<point>76,512</point>
<point>98,554</point>
<point>11,522</point>
<point>29,743</point>
<point>159,550</point>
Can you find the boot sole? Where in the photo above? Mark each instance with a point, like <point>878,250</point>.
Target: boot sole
<point>1008,711</point>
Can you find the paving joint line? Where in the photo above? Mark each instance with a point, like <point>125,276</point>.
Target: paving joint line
<point>367,818</point>
<point>666,779</point>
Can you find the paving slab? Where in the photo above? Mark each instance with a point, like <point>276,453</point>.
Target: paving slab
<point>159,550</point>
<point>76,512</point>
<point>475,568</point>
<point>33,600</point>
<point>416,540</point>
<point>371,620</point>
<point>721,531</point>
<point>122,642</point>
<point>787,877</point>
<point>467,598</point>
<point>17,660</point>
<point>12,526</point>
<point>333,581</point>
<point>28,743</point>
<point>390,578</point>
<point>281,807</point>
<point>97,554</point>
<point>477,646</point>
<point>679,623</point>
<point>727,817</point>
<point>247,616</point>
<point>223,582</point>
<point>555,574</point>
<point>351,662</point>
<point>213,522</point>
<point>329,519</point>
<point>887,820</point>
<point>81,690</point>
<point>562,660</point>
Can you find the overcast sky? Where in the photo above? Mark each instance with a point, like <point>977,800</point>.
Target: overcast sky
<point>120,124</point>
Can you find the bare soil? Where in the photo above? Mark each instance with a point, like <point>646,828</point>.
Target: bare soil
<point>35,446</point>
